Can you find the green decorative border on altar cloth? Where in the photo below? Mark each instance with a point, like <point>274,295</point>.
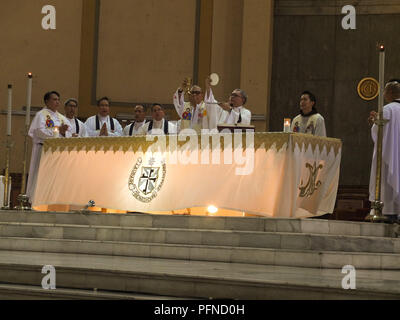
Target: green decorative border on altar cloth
<point>262,140</point>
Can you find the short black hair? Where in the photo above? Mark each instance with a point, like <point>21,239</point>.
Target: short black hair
<point>156,104</point>
<point>394,80</point>
<point>101,99</point>
<point>71,100</point>
<point>312,97</point>
<point>48,94</point>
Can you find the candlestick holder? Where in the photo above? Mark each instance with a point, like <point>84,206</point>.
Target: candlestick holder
<point>376,213</point>
<point>22,198</point>
<point>6,204</point>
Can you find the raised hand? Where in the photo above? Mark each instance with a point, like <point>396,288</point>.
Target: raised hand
<point>373,115</point>
<point>62,129</point>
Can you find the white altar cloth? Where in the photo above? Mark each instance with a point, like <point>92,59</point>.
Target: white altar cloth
<point>269,174</point>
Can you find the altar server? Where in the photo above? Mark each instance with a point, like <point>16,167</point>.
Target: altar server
<point>309,120</point>
<point>390,192</point>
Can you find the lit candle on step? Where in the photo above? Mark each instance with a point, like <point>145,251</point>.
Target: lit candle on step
<point>286,125</point>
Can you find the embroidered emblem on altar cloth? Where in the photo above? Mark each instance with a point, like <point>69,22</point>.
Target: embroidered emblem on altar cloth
<point>147,178</point>
<point>313,183</point>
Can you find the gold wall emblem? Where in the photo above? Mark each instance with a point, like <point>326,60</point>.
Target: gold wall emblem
<point>368,89</point>
<point>146,181</point>
<point>312,183</point>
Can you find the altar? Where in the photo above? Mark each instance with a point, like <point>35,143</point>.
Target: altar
<point>264,174</point>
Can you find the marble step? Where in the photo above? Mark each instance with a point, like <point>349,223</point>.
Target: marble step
<point>277,240</point>
<point>198,279</point>
<point>315,226</point>
<point>263,256</point>
<point>30,292</point>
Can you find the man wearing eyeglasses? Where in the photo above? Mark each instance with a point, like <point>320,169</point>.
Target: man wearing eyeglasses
<point>78,127</point>
<point>193,114</point>
<point>231,112</point>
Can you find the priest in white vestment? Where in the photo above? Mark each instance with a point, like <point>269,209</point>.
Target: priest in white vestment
<point>102,124</point>
<point>47,123</point>
<point>309,120</point>
<point>78,128</point>
<point>390,183</point>
<point>194,113</point>
<point>135,127</point>
<point>158,125</point>
<point>231,112</point>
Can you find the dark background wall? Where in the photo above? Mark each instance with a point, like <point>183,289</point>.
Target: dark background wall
<point>313,52</point>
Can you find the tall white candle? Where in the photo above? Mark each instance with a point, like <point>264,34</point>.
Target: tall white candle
<point>9,109</point>
<point>28,100</point>
<point>286,125</point>
<point>381,77</point>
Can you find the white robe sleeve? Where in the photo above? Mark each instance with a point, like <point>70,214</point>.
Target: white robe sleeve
<point>68,133</point>
<point>214,112</point>
<point>38,129</point>
<point>39,132</point>
<point>143,129</point>
<point>91,127</point>
<point>83,130</point>
<point>172,129</point>
<point>235,115</point>
<point>127,129</point>
<point>179,103</point>
<point>246,117</point>
<point>117,129</point>
<point>320,127</point>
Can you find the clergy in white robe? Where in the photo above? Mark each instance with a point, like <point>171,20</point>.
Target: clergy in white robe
<point>194,113</point>
<point>102,124</point>
<point>78,128</point>
<point>390,183</point>
<point>309,120</point>
<point>231,112</point>
<point>135,127</point>
<point>47,123</point>
<point>158,125</point>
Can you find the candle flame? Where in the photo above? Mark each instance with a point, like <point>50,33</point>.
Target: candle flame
<point>29,74</point>
<point>212,210</point>
<point>382,47</point>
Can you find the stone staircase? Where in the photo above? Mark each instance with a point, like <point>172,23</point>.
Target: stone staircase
<point>139,256</point>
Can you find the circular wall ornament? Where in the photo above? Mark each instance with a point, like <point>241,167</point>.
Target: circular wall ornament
<point>368,89</point>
